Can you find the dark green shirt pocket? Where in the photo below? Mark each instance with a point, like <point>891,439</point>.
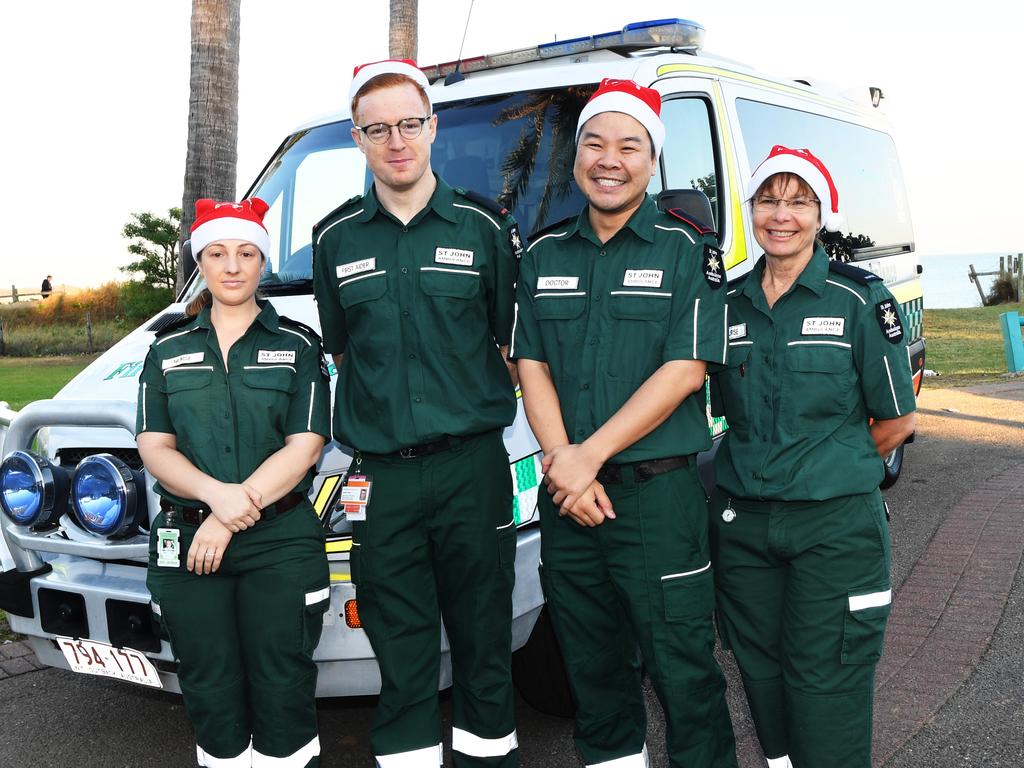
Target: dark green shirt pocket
<point>559,306</point>
<point>819,391</point>
<point>361,288</point>
<point>689,595</point>
<point>449,283</point>
<point>640,305</point>
<point>279,377</point>
<point>864,626</point>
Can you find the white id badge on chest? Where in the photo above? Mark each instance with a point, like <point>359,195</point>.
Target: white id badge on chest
<point>168,549</point>
<point>355,496</point>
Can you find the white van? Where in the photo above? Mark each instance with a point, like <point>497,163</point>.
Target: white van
<point>506,131</point>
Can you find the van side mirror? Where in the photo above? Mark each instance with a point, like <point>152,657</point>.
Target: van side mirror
<point>692,202</point>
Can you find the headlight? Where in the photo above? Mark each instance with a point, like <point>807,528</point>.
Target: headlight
<point>104,496</point>
<point>32,490</point>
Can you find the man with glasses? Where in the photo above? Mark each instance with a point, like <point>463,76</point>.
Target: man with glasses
<point>414,282</point>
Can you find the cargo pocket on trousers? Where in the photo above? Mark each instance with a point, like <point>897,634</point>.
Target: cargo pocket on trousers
<point>507,545</point>
<point>689,595</point>
<point>317,601</point>
<point>864,627</point>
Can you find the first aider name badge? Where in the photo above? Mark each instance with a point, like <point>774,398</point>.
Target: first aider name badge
<point>888,317</point>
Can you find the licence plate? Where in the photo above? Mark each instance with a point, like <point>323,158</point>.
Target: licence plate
<point>93,658</point>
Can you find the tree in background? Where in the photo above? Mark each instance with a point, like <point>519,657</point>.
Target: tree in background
<point>156,246</point>
<point>403,29</point>
<point>212,159</point>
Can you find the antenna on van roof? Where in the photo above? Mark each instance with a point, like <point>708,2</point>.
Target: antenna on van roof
<point>457,76</point>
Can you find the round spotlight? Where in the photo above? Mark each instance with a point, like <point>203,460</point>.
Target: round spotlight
<point>104,496</point>
<point>32,490</point>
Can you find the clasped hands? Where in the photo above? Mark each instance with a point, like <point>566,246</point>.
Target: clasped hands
<point>235,507</point>
<point>570,474</point>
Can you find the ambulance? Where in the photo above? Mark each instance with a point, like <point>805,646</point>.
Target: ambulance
<point>77,502</point>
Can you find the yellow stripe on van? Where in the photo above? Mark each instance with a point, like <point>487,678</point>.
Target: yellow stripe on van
<point>341,545</point>
<point>908,291</point>
<point>340,577</point>
<point>320,504</point>
<point>738,252</point>
<point>668,69</point>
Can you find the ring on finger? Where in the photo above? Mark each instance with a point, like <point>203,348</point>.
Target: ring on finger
<point>209,554</point>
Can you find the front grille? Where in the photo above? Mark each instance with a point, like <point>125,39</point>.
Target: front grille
<point>165,320</point>
<point>69,457</point>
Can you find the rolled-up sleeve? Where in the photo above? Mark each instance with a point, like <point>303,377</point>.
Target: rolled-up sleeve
<point>697,328</point>
<point>882,357</point>
<point>152,414</point>
<point>309,409</point>
<point>526,340</point>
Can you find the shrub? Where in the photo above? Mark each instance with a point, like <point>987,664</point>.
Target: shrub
<point>103,302</point>
<point>140,301</point>
<point>1003,291</point>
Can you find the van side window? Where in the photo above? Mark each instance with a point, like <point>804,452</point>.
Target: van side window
<point>876,217</point>
<point>688,158</point>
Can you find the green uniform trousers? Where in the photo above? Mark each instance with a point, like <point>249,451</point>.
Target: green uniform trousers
<point>439,542</point>
<point>643,579</point>
<point>244,638</point>
<point>803,594</point>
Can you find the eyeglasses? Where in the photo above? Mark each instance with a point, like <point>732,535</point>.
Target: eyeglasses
<point>409,128</point>
<point>797,205</point>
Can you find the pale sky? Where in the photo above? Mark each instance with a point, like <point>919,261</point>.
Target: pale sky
<point>96,99</point>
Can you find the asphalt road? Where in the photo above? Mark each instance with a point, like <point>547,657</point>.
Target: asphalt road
<point>966,437</point>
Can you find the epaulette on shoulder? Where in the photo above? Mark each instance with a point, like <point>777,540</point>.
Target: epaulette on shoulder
<point>336,211</point>
<point>301,326</point>
<point>483,201</point>
<point>856,274</point>
<point>552,227</point>
<point>686,218</point>
<point>175,326</point>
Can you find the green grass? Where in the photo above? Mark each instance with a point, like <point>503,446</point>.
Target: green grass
<point>5,629</point>
<point>24,379</point>
<point>46,340</point>
<point>965,345</point>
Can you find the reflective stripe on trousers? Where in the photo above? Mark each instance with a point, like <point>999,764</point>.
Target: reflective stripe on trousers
<point>639,760</point>
<point>297,759</point>
<point>428,757</point>
<point>243,760</point>
<point>474,746</point>
<point>779,762</point>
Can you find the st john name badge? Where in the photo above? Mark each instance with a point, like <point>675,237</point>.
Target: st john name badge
<point>823,326</point>
<point>275,356</point>
<point>454,256</point>
<point>642,278</point>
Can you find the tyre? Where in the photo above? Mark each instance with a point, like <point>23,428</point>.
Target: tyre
<point>893,464</point>
<point>539,672</point>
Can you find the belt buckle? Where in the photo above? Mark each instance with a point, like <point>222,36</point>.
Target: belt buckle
<point>407,453</point>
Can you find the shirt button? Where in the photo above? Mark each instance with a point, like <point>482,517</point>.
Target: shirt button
<point>412,356</point>
<point>757,475</point>
<point>592,342</point>
<point>602,253</point>
<point>405,270</point>
<point>597,298</point>
<point>405,313</point>
<point>417,399</point>
<point>584,386</point>
<point>227,449</point>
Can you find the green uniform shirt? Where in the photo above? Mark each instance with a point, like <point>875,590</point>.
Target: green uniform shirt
<point>419,311</point>
<point>228,422</point>
<point>802,379</point>
<point>604,317</point>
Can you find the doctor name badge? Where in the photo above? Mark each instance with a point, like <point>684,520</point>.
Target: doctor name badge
<point>642,278</point>
<point>275,356</point>
<point>455,256</point>
<point>823,326</point>
<point>558,283</point>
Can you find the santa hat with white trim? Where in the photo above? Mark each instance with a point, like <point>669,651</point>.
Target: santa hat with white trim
<point>802,163</point>
<point>364,73</point>
<point>229,221</point>
<point>630,98</point>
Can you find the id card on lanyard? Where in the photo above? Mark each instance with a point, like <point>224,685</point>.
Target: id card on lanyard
<point>355,494</point>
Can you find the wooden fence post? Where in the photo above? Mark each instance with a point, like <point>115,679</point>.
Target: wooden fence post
<point>14,294</point>
<point>3,344</point>
<point>973,275</point>
<point>88,329</point>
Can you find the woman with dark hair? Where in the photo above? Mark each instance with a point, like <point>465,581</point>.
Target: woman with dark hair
<point>234,411</point>
<point>816,390</point>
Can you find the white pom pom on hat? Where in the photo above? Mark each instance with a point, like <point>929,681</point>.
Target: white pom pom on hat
<point>802,163</point>
<point>630,98</point>
<point>364,73</point>
<point>229,221</point>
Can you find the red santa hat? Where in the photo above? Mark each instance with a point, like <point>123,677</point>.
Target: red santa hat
<point>229,221</point>
<point>804,164</point>
<point>364,73</point>
<point>630,98</point>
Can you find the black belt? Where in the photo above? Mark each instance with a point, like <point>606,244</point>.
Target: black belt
<point>611,474</point>
<point>196,515</point>
<point>425,449</point>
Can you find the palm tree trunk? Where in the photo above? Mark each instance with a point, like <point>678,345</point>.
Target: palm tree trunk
<point>402,30</point>
<point>212,158</point>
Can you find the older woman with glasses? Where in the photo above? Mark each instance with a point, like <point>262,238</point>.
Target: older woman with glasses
<point>816,390</point>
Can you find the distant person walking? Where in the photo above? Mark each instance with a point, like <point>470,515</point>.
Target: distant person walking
<point>47,287</point>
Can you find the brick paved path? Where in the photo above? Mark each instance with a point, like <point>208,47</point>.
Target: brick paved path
<point>17,659</point>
